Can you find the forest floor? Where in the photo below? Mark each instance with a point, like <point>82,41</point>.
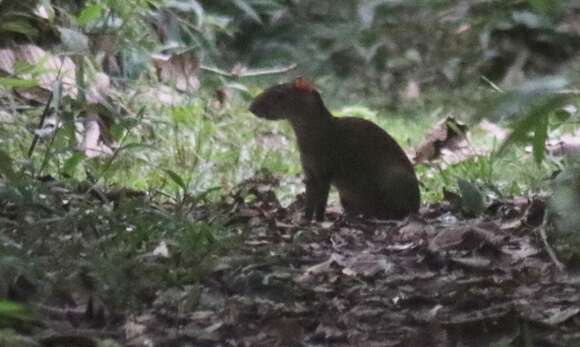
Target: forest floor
<point>435,279</point>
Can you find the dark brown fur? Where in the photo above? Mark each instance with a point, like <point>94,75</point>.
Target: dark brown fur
<point>373,175</point>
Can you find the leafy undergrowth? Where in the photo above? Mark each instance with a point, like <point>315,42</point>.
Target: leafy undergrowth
<point>94,268</point>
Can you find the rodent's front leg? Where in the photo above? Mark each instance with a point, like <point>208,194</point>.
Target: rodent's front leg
<point>316,197</point>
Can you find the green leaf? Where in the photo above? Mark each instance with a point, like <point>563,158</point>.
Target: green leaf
<point>7,166</point>
<point>71,164</point>
<point>89,14</point>
<point>536,120</point>
<point>562,115</point>
<point>17,83</point>
<point>189,6</point>
<point>248,10</point>
<point>539,141</point>
<point>20,26</point>
<point>176,178</point>
<point>136,146</point>
<point>544,6</point>
<point>118,131</point>
<point>22,68</point>
<point>180,115</point>
<point>514,103</point>
<point>9,309</point>
<point>471,198</point>
<point>530,106</point>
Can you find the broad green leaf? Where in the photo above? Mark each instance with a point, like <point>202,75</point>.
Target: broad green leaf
<point>181,115</point>
<point>71,164</point>
<point>562,115</point>
<point>514,103</point>
<point>531,106</point>
<point>89,14</point>
<point>22,67</point>
<point>17,83</point>
<point>176,178</point>
<point>535,120</point>
<point>21,26</point>
<point>9,309</point>
<point>118,131</point>
<point>471,198</point>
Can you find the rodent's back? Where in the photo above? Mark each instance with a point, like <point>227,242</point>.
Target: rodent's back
<point>373,175</point>
<point>370,141</point>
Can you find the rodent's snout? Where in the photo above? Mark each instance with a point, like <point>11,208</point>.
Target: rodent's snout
<point>253,108</point>
<point>256,109</point>
<point>263,107</point>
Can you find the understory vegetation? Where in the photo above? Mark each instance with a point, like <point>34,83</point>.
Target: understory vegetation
<point>130,164</point>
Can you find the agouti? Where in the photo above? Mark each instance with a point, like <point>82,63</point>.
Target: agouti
<point>371,172</point>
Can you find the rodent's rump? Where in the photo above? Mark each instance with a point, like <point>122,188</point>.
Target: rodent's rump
<point>370,170</point>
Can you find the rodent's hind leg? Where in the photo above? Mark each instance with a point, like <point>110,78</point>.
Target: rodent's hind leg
<point>349,207</point>
<point>399,198</point>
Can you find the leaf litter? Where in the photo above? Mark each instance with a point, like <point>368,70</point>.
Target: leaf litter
<point>434,279</point>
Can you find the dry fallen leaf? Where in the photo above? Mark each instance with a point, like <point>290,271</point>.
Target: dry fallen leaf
<point>180,69</point>
<point>55,68</point>
<point>447,141</point>
<point>412,91</point>
<point>98,89</point>
<point>91,143</point>
<point>559,315</point>
<point>136,327</point>
<point>161,250</point>
<point>567,144</point>
<point>366,265</point>
<point>493,129</point>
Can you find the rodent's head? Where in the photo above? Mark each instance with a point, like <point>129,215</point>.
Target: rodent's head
<point>298,98</point>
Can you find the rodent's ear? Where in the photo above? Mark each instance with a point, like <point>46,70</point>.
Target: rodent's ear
<point>303,85</point>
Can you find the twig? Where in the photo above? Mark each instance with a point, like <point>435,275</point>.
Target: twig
<point>53,137</point>
<point>250,73</point>
<point>40,124</point>
<point>491,84</point>
<point>549,249</point>
<point>569,92</point>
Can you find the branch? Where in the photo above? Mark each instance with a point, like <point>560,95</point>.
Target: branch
<point>549,249</point>
<point>250,72</point>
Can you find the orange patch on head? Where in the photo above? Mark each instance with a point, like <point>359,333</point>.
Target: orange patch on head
<point>303,85</point>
